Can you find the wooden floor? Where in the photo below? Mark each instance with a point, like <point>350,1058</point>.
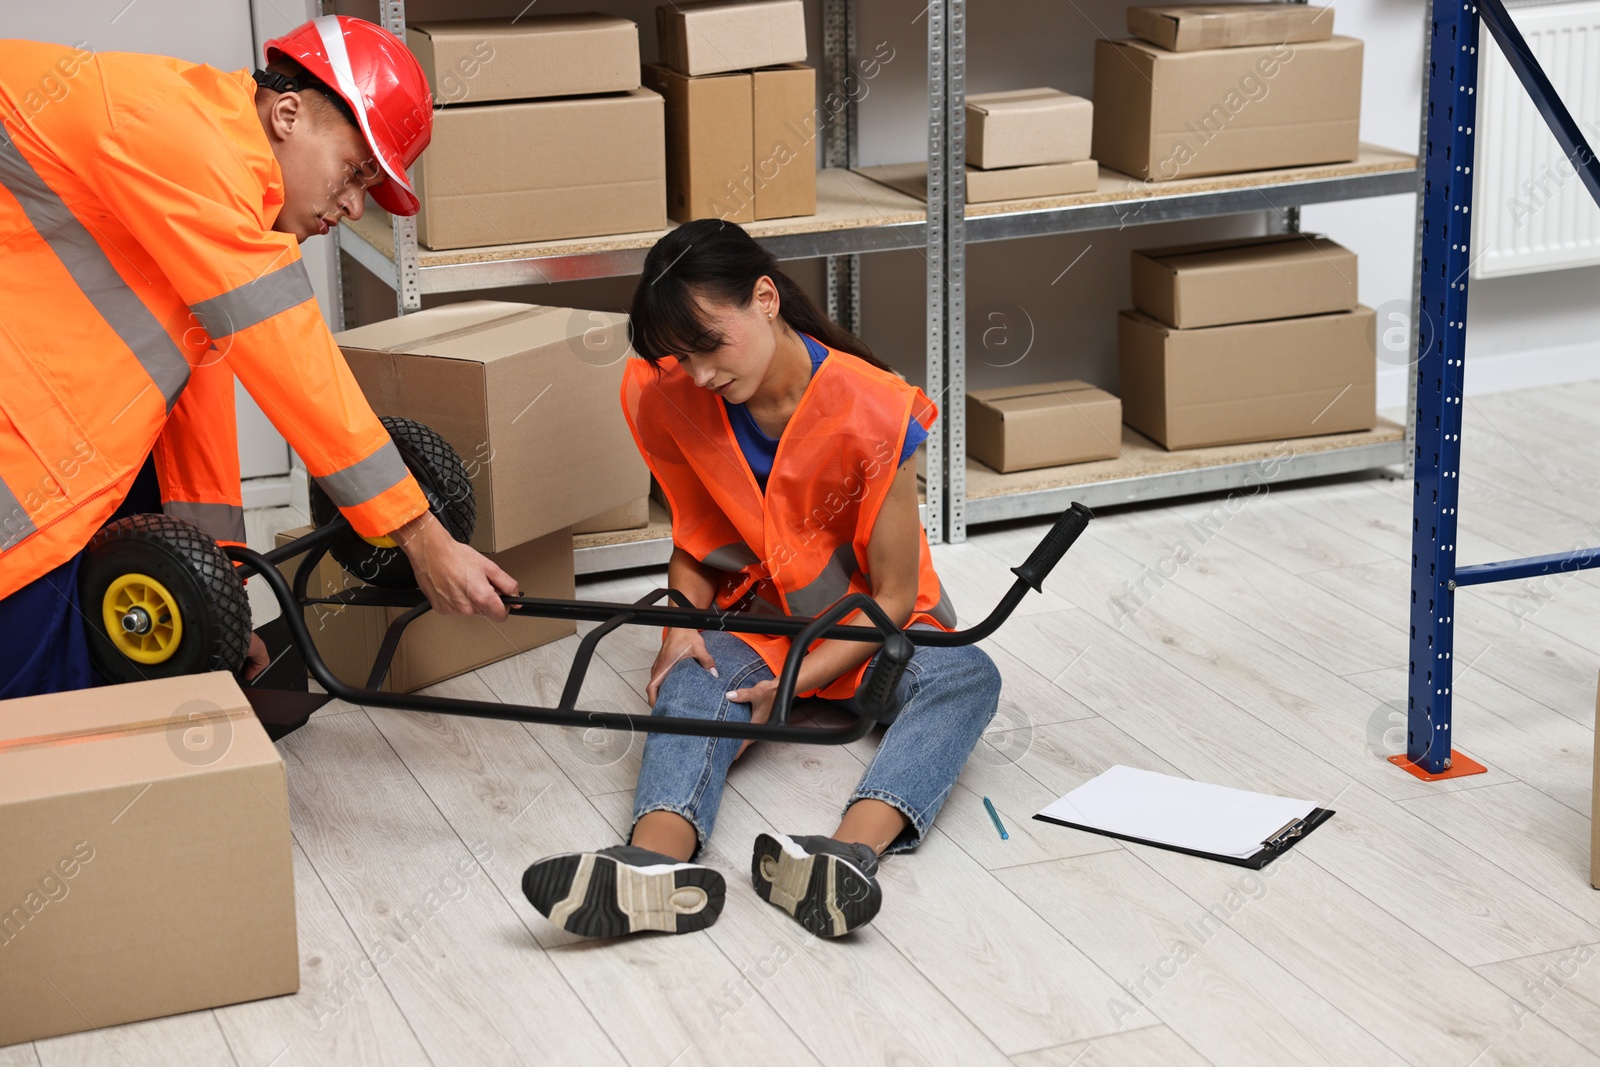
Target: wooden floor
<point>1258,642</point>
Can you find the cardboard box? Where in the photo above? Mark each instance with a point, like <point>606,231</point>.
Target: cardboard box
<point>435,647</point>
<point>1187,28</point>
<point>527,395</point>
<point>1221,282</point>
<point>634,515</point>
<point>1257,381</point>
<point>543,170</point>
<point>1021,427</point>
<point>1162,115</point>
<point>986,186</point>
<point>740,146</point>
<point>145,858</point>
<point>1024,127</point>
<point>483,60</point>
<point>1594,822</point>
<point>783,146</point>
<point>713,36</point>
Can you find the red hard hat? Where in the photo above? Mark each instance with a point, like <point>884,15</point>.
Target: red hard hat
<point>376,74</point>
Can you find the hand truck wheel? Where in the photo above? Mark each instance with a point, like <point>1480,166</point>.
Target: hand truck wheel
<point>445,483</point>
<point>161,600</point>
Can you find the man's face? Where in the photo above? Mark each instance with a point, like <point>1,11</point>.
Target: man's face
<point>327,166</point>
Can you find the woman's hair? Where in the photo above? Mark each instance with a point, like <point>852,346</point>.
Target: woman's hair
<point>720,262</point>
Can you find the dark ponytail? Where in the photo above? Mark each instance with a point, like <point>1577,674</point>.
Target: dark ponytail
<point>721,262</point>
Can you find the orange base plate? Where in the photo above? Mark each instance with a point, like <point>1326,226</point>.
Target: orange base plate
<point>1460,767</point>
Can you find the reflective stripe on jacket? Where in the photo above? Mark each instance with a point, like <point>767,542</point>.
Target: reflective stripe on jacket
<point>139,274</point>
<point>803,544</point>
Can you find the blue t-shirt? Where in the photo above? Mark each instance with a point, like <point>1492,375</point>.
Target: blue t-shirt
<point>759,449</point>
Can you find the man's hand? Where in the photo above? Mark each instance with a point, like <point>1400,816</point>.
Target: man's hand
<point>456,578</point>
<point>256,659</point>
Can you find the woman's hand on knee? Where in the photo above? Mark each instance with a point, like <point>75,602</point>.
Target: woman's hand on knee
<point>677,645</point>
<point>760,697</point>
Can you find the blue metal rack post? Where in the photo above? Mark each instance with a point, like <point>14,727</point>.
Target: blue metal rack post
<point>1445,259</point>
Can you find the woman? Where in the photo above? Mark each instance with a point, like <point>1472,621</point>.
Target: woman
<point>785,451</point>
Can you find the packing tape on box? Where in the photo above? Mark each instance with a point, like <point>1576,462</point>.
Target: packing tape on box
<point>73,737</point>
<point>467,331</point>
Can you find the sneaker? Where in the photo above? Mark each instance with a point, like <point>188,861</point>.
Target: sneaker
<point>827,885</point>
<point>624,890</point>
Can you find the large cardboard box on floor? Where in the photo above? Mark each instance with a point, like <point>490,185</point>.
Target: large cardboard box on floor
<point>543,170</point>
<point>1161,115</point>
<point>1024,127</point>
<point>483,60</point>
<point>1023,427</point>
<point>740,146</point>
<point>527,395</point>
<point>145,858</point>
<point>1189,27</point>
<point>987,186</point>
<point>1248,280</point>
<point>435,647</point>
<point>1255,381</point>
<point>713,36</point>
<point>1594,822</point>
<point>634,515</point>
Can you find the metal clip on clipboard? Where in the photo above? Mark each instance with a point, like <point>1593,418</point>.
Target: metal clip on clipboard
<point>1292,829</point>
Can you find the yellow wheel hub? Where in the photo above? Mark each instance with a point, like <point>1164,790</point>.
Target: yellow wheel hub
<point>142,618</point>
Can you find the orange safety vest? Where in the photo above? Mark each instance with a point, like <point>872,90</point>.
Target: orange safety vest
<point>139,273</point>
<point>802,545</point>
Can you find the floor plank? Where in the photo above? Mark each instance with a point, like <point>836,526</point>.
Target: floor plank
<point>455,954</point>
<point>1216,991</point>
<point>1558,988</point>
<point>1134,1048</point>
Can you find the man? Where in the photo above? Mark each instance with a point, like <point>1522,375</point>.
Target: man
<point>150,216</point>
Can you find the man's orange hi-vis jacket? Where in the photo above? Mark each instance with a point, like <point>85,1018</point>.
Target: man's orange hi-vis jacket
<point>139,273</point>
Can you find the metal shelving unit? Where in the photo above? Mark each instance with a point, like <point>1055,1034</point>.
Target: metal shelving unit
<point>1444,258</point>
<point>857,215</point>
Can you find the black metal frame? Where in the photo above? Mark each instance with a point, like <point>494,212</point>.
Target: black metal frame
<point>873,702</point>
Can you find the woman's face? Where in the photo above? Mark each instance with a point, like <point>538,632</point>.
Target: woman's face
<point>736,368</point>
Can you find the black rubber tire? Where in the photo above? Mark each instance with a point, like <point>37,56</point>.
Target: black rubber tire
<point>200,577</point>
<point>444,481</point>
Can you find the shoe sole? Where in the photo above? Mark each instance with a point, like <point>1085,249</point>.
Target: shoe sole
<point>599,896</point>
<point>827,895</point>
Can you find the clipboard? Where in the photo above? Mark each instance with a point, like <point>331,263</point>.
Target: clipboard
<point>1277,845</point>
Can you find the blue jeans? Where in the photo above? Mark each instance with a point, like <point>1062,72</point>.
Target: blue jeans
<point>947,697</point>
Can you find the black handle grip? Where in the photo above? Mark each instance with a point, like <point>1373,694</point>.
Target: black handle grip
<point>875,699</point>
<point>1054,546</point>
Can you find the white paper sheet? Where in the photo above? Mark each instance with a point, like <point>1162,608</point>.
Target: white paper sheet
<point>1178,811</point>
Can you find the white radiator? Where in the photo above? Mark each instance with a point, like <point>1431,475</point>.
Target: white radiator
<point>1532,212</point>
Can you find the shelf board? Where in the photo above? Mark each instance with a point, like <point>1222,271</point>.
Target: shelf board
<point>854,214</point>
<point>1122,200</point>
<point>1146,471</point>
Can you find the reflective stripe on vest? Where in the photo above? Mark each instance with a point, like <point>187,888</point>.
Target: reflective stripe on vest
<point>220,522</point>
<point>734,557</point>
<point>833,582</point>
<point>99,281</point>
<point>15,524</point>
<point>363,480</point>
<point>254,302</point>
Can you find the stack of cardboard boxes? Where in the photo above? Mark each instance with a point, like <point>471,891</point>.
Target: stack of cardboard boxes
<point>1247,340</point>
<point>1217,89</point>
<point>541,131</point>
<point>741,114</point>
<point>528,397</point>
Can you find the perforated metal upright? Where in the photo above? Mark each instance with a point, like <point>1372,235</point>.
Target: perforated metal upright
<point>1440,334</point>
<point>946,482</point>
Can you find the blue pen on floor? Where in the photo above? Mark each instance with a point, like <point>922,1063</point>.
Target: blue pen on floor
<point>995,815</point>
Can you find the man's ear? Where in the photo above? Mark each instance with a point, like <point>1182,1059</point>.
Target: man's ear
<point>287,111</point>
